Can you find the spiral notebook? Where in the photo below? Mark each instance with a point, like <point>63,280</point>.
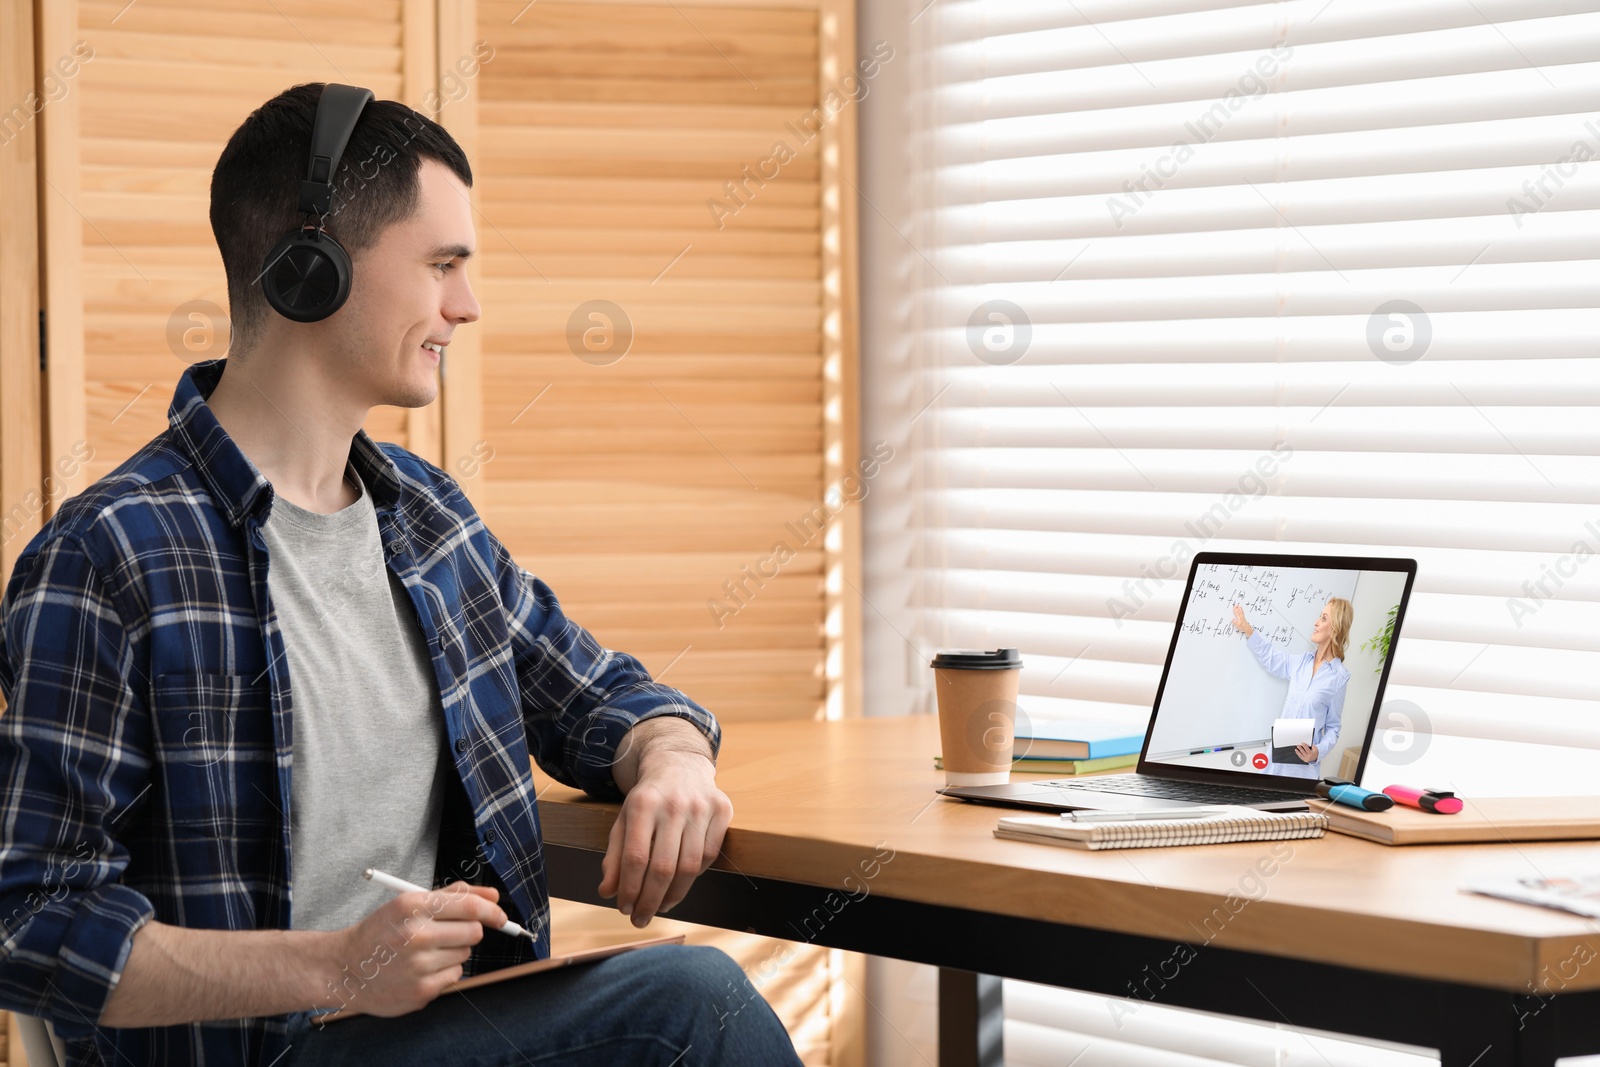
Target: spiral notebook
<point>1237,823</point>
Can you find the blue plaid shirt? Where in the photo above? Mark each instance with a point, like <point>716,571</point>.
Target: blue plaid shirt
<point>146,749</point>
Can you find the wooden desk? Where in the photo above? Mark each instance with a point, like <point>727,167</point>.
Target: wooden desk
<point>839,839</point>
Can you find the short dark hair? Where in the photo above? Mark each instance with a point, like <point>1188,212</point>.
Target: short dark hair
<point>255,187</point>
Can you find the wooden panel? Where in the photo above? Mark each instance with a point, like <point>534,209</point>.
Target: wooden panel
<point>423,428</point>
<point>131,262</point>
<point>841,373</point>
<point>693,461</point>
<point>461,373</point>
<point>669,490</point>
<point>22,486</point>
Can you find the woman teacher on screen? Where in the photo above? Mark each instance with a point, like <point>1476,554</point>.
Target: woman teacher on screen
<point>1317,681</point>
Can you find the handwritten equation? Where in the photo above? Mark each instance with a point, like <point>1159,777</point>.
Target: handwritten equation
<point>1264,596</point>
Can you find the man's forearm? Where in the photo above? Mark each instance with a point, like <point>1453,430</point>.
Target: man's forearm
<point>664,733</point>
<point>175,975</point>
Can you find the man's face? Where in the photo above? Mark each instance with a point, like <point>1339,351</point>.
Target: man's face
<point>410,288</point>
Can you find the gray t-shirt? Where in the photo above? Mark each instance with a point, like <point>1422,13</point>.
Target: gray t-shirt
<point>369,730</point>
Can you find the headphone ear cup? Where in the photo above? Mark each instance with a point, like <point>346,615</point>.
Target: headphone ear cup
<point>306,277</point>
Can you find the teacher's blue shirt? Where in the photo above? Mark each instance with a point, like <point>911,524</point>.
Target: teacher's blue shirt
<point>1318,696</point>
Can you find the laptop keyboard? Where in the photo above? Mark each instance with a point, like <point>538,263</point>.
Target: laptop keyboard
<point>1146,786</point>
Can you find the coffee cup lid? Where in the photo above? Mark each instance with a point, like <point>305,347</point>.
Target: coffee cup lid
<point>967,659</point>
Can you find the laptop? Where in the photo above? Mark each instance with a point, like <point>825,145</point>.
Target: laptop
<point>1223,698</point>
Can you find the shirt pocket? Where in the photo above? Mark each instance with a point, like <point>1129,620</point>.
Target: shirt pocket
<point>215,753</point>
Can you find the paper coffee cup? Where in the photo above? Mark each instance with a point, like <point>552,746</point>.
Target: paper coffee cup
<point>977,695</point>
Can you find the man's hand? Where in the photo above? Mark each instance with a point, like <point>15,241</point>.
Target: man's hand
<point>394,961</point>
<point>672,820</point>
<point>409,948</point>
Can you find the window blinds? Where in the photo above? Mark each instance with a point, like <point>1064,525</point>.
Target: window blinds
<point>1314,276</point>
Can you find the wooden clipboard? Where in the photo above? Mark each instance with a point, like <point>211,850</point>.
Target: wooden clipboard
<point>533,967</point>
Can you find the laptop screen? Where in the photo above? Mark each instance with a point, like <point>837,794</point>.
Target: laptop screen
<point>1277,664</point>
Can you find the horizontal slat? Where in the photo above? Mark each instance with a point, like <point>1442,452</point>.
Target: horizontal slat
<point>687,213</point>
<point>1445,524</point>
<point>665,438</point>
<point>633,116</point>
<point>656,317</point>
<point>598,147</point>
<point>660,413</point>
<point>1369,383</point>
<point>1207,474</point>
<point>531,243</point>
<point>264,24</point>
<point>299,11</point>
<point>745,17</point>
<point>1500,238</point>
<point>1304,204</point>
<point>330,55</point>
<point>1439,290</point>
<point>515,189</point>
<point>642,297</point>
<point>1510,336</point>
<point>597,576</point>
<point>216,77</point>
<point>1155,559</point>
<point>1088,62</point>
<point>662,90</point>
<point>1190,149</point>
<point>1464,427</point>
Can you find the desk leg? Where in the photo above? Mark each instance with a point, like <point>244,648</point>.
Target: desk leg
<point>971,1019</point>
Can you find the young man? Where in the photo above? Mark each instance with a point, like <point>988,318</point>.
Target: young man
<point>266,652</point>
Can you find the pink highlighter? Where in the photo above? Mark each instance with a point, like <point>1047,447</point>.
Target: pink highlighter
<point>1438,801</point>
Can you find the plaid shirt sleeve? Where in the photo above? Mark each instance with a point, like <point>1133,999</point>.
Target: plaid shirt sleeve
<point>74,757</point>
<point>579,699</point>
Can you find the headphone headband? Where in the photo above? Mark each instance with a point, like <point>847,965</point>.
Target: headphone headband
<point>338,108</point>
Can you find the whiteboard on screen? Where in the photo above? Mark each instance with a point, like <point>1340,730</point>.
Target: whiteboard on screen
<point>1217,691</point>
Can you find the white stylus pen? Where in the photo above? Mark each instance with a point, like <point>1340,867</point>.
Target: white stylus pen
<point>400,885</point>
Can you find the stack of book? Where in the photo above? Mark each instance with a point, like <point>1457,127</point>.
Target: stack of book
<point>1071,746</point>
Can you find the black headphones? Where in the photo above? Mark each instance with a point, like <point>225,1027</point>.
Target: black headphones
<point>306,276</point>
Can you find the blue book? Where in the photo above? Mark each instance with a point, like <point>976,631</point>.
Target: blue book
<point>1075,739</point>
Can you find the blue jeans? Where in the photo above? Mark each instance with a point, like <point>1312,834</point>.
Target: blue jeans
<point>668,1005</point>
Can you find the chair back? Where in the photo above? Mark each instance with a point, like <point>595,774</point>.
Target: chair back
<point>39,1041</point>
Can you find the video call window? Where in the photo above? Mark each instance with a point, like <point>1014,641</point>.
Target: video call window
<point>1246,689</point>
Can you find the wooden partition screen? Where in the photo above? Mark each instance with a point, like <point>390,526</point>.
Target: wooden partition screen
<point>22,490</point>
<point>656,412</point>
<point>665,367</point>
<point>660,394</point>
